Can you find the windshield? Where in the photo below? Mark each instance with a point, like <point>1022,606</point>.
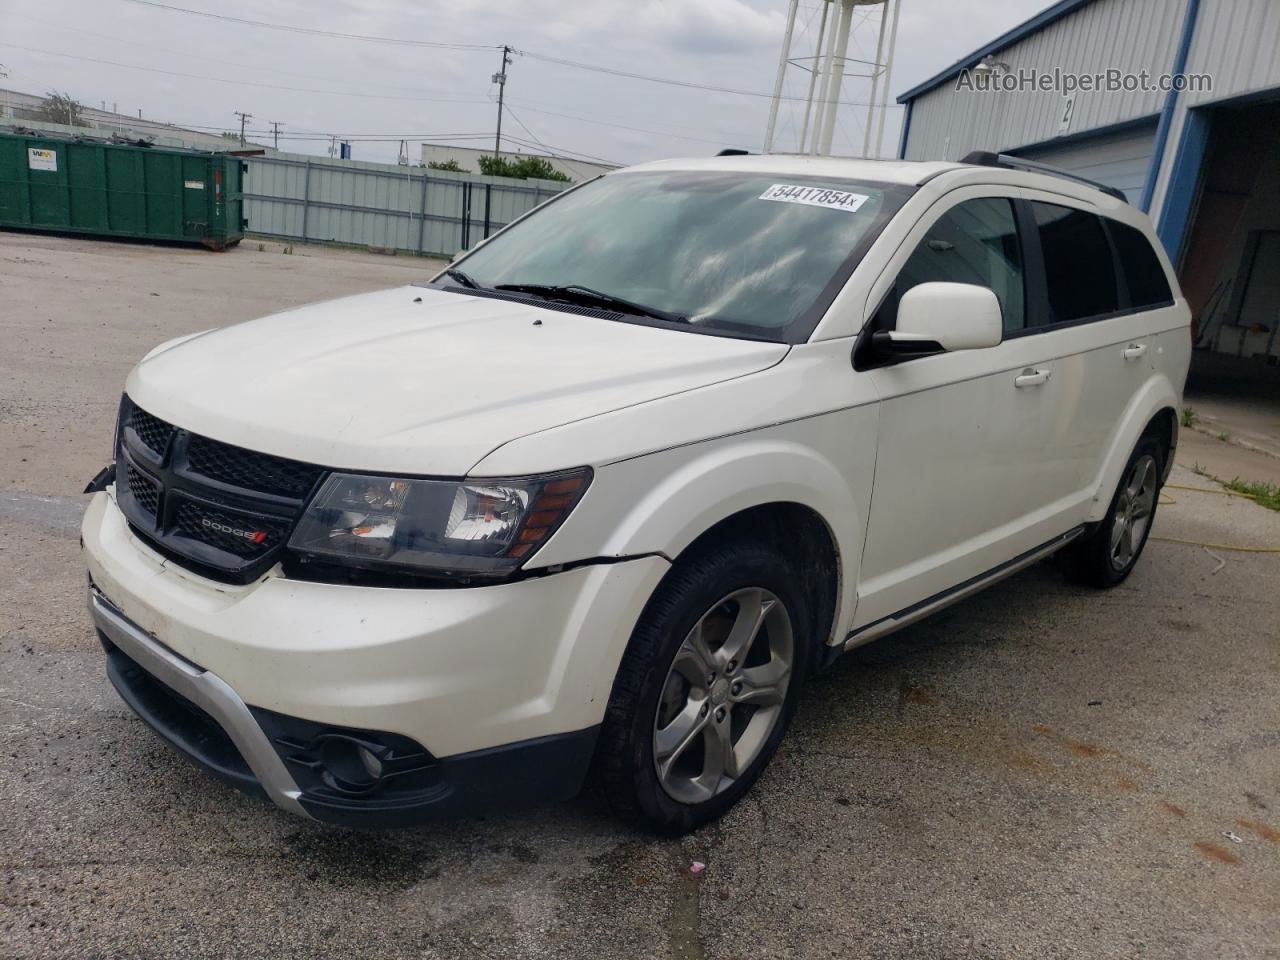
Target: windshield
<point>742,254</point>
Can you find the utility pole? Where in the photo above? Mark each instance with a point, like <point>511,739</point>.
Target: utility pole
<point>243,117</point>
<point>275,133</point>
<point>500,78</point>
<point>4,75</point>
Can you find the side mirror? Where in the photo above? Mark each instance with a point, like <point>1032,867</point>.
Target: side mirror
<point>944,316</point>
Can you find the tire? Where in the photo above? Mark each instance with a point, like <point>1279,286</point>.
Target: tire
<point>1107,555</point>
<point>686,701</point>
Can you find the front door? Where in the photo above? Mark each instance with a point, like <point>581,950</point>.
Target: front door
<point>962,482</point>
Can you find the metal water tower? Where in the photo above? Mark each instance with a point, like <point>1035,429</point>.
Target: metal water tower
<point>812,118</point>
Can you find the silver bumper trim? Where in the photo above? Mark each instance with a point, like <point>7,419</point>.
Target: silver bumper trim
<point>208,691</point>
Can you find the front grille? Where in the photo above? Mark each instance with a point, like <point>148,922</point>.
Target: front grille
<point>253,471</point>
<point>143,489</point>
<point>221,510</point>
<point>152,431</point>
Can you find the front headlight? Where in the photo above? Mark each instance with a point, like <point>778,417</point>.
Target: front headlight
<point>468,528</point>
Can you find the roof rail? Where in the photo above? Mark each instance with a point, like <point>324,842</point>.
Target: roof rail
<point>984,158</point>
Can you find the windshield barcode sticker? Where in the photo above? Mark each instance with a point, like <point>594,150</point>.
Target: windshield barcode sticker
<point>815,197</point>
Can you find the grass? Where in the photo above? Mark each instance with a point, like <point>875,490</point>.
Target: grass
<point>1189,417</point>
<point>1259,491</point>
<point>1267,494</point>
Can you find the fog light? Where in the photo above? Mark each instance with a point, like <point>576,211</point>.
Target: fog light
<point>350,765</point>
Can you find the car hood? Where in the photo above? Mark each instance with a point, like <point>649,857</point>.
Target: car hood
<point>417,380</point>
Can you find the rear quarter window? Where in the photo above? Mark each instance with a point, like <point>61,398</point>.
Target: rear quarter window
<point>1143,273</point>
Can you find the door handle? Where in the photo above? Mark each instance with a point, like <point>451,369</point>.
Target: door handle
<point>1134,350</point>
<point>1031,378</point>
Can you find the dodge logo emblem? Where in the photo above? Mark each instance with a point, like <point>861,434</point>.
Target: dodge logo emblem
<point>253,536</point>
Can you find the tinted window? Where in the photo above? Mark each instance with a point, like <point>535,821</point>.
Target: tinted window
<point>975,242</point>
<point>1079,270</point>
<point>1143,273</point>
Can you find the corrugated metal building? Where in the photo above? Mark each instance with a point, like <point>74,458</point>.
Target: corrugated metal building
<point>19,109</point>
<point>1203,161</point>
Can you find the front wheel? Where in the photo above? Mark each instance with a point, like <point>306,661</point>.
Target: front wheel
<point>1108,554</point>
<point>706,688</point>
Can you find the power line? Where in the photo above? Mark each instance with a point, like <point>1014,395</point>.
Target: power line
<point>721,141</point>
<point>523,125</point>
<point>526,105</point>
<point>352,138</point>
<point>568,154</point>
<point>552,151</point>
<point>244,83</point>
<point>689,84</point>
<point>187,55</point>
<point>302,133</point>
<point>311,31</point>
<point>569,161</point>
<point>531,54</point>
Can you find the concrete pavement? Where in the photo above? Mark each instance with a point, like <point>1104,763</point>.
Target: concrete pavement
<point>1042,771</point>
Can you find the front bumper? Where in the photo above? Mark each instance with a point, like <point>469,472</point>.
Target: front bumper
<point>499,689</point>
<point>137,663</point>
<point>200,716</point>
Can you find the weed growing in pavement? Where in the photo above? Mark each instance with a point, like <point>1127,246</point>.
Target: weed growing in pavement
<point>1267,494</point>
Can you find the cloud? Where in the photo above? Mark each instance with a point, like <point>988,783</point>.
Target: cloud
<point>729,43</point>
<point>709,26</point>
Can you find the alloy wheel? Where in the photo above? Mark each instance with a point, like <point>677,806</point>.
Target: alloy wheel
<point>723,695</point>
<point>1133,511</point>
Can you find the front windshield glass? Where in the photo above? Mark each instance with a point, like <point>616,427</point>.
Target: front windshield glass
<point>753,255</point>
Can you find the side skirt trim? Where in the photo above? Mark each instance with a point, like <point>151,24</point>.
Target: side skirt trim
<point>918,611</point>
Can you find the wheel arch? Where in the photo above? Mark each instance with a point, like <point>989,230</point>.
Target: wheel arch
<point>1152,409</point>
<point>1164,425</point>
<point>769,486</point>
<point>804,537</point>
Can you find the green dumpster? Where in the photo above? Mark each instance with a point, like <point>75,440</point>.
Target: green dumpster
<point>79,185</point>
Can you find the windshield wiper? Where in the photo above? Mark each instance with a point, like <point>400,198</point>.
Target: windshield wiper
<point>455,274</point>
<point>577,293</point>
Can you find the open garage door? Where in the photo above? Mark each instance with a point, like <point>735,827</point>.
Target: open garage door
<point>1229,268</point>
<point>1231,259</point>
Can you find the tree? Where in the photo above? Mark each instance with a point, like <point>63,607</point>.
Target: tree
<point>524,168</point>
<point>62,108</point>
<point>450,165</point>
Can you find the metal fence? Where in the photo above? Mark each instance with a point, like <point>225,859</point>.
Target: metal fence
<point>414,209</point>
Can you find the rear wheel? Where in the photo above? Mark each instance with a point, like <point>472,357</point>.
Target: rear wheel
<point>706,688</point>
<point>1108,554</point>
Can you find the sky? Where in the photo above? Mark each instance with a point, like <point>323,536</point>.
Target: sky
<point>196,70</point>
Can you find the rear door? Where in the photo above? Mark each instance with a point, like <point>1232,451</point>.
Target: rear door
<point>962,478</point>
<point>1096,321</point>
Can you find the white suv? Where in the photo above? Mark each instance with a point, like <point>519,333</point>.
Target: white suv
<point>602,494</point>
